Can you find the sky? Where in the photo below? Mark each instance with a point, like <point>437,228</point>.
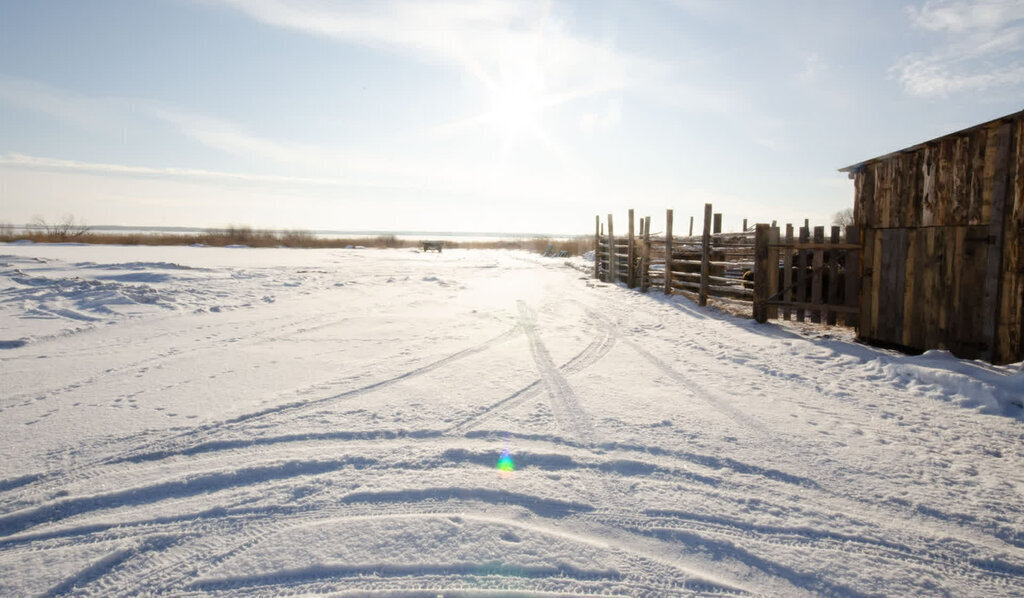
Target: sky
<point>479,116</point>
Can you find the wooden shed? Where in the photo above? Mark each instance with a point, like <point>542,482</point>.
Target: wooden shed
<point>943,237</point>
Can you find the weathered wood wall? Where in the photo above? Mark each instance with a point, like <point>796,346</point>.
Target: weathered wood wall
<point>943,226</point>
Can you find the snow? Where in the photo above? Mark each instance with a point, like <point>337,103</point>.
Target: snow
<point>242,421</point>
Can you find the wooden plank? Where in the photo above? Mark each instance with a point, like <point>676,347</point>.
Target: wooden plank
<point>893,285</point>
<point>909,290</point>
<point>900,202</point>
<point>997,232</point>
<point>989,172</point>
<point>813,307</point>
<point>1012,320</point>
<point>920,270</point>
<point>1010,347</point>
<point>880,217</point>
<point>927,282</point>
<point>969,337</point>
<point>668,252</point>
<point>853,277</point>
<point>597,246</point>
<point>695,277</point>
<point>944,200</point>
<point>773,270</point>
<point>928,180</point>
<point>976,176</point>
<point>876,280</point>
<point>613,271</point>
<point>959,185</point>
<point>787,273</point>
<point>761,266</point>
<point>716,227</point>
<point>864,197</point>
<point>813,245</point>
<point>940,297</point>
<point>817,267</point>
<point>705,256</point>
<point>833,278</point>
<point>801,273</point>
<point>645,264</point>
<point>631,254</point>
<point>912,187</point>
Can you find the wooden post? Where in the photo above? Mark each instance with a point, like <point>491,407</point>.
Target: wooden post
<point>761,266</point>
<point>833,277</point>
<point>744,225</point>
<point>705,256</point>
<point>773,271</point>
<point>613,258</point>
<point>668,252</point>
<point>631,256</point>
<point>691,226</point>
<point>801,273</point>
<point>852,275</point>
<point>597,246</point>
<point>991,303</point>
<point>787,273</point>
<point>717,226</point>
<point>817,266</point>
<point>645,260</point>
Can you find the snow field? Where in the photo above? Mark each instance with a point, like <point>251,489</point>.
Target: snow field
<point>200,421</point>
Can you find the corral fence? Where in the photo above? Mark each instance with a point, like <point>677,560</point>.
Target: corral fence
<point>801,274</point>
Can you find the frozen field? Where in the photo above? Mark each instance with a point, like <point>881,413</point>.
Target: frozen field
<point>200,421</point>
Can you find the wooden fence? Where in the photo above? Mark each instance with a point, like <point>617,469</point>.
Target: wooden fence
<point>780,276</point>
<point>711,264</point>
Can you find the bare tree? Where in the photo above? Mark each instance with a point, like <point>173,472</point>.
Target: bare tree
<point>843,217</point>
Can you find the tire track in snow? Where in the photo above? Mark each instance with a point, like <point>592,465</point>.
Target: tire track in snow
<point>590,355</point>
<point>643,571</point>
<point>213,340</point>
<point>939,524</point>
<point>206,433</point>
<point>568,413</point>
<point>654,522</point>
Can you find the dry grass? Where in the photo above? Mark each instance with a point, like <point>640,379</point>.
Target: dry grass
<point>245,235</point>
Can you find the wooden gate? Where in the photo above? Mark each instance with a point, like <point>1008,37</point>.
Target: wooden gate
<point>807,276</point>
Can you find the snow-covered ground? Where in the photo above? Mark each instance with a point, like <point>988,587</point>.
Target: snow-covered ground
<point>191,420</point>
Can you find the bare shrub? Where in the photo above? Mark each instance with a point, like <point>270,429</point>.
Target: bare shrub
<point>387,241</point>
<point>67,228</point>
<point>297,238</point>
<point>843,217</point>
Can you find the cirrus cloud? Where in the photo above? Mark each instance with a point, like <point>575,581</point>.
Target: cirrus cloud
<point>979,48</point>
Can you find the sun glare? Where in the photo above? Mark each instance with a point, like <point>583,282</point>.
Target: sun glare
<point>518,95</point>
<point>516,110</point>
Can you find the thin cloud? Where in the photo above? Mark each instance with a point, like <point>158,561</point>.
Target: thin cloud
<point>980,49</point>
<point>491,41</point>
<point>35,96</point>
<point>23,161</point>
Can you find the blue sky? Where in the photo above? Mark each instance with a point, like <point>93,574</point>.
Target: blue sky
<point>488,115</point>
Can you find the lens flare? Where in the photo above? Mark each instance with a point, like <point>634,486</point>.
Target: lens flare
<point>506,466</point>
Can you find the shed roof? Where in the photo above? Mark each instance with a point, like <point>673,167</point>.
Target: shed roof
<point>855,167</point>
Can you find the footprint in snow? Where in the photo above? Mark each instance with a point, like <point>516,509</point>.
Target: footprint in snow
<point>509,537</point>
